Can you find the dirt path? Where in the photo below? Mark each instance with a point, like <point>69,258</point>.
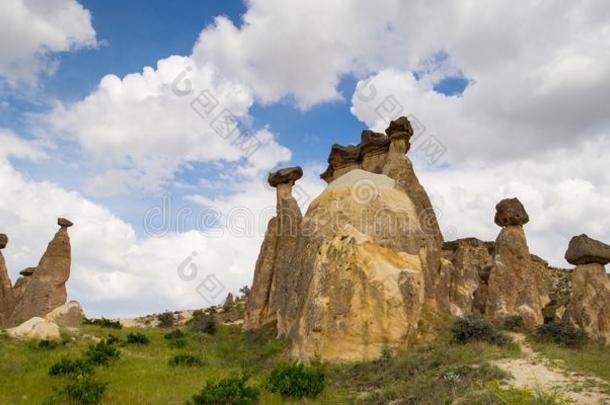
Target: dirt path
<point>535,371</point>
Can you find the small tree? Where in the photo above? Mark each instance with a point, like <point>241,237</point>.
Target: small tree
<point>166,319</point>
<point>245,290</point>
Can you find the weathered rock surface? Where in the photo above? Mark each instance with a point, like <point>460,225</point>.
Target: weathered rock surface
<point>589,306</point>
<point>46,288</point>
<point>269,286</point>
<point>514,287</point>
<point>372,208</point>
<point>466,265</point>
<point>35,328</point>
<point>69,315</point>
<point>510,212</point>
<point>6,292</point>
<point>584,250</point>
<point>361,298</point>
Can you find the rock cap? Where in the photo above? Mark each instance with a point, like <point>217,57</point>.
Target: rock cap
<point>510,211</point>
<point>3,240</point>
<point>584,250</point>
<point>28,271</point>
<point>400,127</point>
<point>373,142</point>
<point>286,175</point>
<point>63,222</point>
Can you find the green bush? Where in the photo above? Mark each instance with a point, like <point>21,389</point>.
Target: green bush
<point>67,366</point>
<point>103,322</point>
<point>185,360</point>
<point>47,344</point>
<point>562,333</point>
<point>81,392</point>
<point>166,319</point>
<point>295,380</point>
<point>477,328</point>
<point>176,343</point>
<point>228,391</point>
<point>513,323</point>
<point>113,340</point>
<point>101,354</point>
<point>204,323</point>
<point>137,339</point>
<point>176,334</point>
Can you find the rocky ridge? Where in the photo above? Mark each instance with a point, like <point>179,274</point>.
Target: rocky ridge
<point>353,274</point>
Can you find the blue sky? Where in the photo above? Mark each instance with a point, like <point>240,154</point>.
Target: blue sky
<point>91,129</point>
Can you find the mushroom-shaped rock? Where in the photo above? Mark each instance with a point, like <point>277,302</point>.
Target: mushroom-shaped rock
<point>584,250</point>
<point>286,175</point>
<point>509,212</point>
<point>63,222</point>
<point>28,271</point>
<point>400,126</point>
<point>3,240</point>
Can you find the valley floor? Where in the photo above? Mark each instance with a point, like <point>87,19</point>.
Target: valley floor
<point>428,374</point>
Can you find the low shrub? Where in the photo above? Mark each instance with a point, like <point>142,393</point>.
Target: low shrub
<point>205,323</point>
<point>477,328</point>
<point>101,354</point>
<point>513,323</point>
<point>176,334</point>
<point>166,319</point>
<point>185,360</point>
<point>493,393</point>
<point>68,366</point>
<point>295,380</point>
<point>228,391</point>
<point>103,322</point>
<point>176,343</point>
<point>562,333</point>
<point>81,392</point>
<point>114,340</point>
<point>47,345</point>
<point>137,339</point>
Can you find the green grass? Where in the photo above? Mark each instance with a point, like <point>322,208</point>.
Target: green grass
<point>435,373</point>
<point>590,358</point>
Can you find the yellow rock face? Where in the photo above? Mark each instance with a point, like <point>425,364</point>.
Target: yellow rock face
<point>363,297</point>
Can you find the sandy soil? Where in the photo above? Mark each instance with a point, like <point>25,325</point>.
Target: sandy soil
<point>535,371</point>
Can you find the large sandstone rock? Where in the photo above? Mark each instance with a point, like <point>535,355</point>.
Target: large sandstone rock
<point>584,250</point>
<point>46,287</point>
<point>371,206</point>
<point>589,306</point>
<point>69,315</point>
<point>361,298</point>
<point>35,328</point>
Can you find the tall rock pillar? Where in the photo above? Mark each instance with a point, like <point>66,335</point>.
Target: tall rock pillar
<point>6,290</point>
<point>589,305</point>
<point>513,285</point>
<point>47,288</point>
<point>271,275</point>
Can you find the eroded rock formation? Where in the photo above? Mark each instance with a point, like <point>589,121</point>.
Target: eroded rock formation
<point>354,274</point>
<point>514,287</point>
<point>589,305</point>
<point>42,289</point>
